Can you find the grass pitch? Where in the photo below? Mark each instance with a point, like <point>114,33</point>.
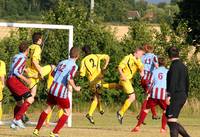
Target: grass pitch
<point>106,126</point>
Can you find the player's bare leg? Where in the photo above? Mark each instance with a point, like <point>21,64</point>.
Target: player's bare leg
<point>120,113</point>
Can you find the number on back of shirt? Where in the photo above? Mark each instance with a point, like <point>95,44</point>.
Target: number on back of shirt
<point>160,76</point>
<point>92,62</point>
<point>61,67</point>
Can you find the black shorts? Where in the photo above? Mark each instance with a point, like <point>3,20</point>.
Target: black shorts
<point>24,96</point>
<point>176,104</point>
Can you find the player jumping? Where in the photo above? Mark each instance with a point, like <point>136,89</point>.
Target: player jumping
<point>91,67</point>
<point>129,65</point>
<point>58,93</point>
<point>157,95</point>
<point>18,89</point>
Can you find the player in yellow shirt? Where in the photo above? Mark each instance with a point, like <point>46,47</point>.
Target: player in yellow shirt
<point>2,84</point>
<point>128,67</point>
<point>91,68</point>
<point>35,71</point>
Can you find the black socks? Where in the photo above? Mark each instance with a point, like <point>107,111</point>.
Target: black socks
<point>176,128</point>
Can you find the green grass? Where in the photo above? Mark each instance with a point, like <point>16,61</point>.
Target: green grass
<point>106,126</point>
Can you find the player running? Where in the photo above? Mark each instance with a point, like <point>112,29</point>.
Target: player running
<point>91,68</point>
<point>157,95</point>
<point>2,84</point>
<point>129,65</point>
<point>18,89</point>
<point>150,62</point>
<point>58,93</point>
<point>60,111</point>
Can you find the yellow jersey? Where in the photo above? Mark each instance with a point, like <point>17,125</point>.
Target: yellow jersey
<point>130,65</point>
<point>91,66</point>
<point>34,55</point>
<point>2,69</point>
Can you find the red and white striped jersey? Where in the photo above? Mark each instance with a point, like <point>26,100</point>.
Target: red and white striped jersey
<point>62,74</point>
<point>159,83</point>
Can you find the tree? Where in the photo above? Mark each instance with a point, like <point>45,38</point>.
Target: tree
<point>190,13</point>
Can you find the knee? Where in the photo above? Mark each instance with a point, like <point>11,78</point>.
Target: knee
<point>48,110</point>
<point>131,97</point>
<point>30,100</point>
<point>67,112</point>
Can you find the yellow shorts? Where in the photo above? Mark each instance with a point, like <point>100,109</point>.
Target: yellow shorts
<point>1,91</point>
<point>34,81</point>
<point>127,86</point>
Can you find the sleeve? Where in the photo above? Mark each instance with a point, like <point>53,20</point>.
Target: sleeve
<point>103,56</point>
<point>172,76</point>
<point>139,64</point>
<point>82,68</point>
<point>124,62</point>
<point>72,72</point>
<point>2,69</point>
<point>37,54</point>
<point>17,66</point>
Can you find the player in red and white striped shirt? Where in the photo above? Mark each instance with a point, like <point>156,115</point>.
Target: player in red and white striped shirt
<point>157,95</point>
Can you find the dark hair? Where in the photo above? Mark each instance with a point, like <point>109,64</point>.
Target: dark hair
<point>161,61</point>
<point>36,36</point>
<point>86,49</point>
<point>23,46</point>
<point>148,48</point>
<point>74,52</point>
<point>173,52</point>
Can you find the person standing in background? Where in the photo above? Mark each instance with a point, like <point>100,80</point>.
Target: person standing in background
<point>177,89</point>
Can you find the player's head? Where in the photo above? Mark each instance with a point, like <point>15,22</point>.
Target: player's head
<point>148,48</point>
<point>74,52</point>
<point>139,52</point>
<point>173,52</point>
<point>161,61</point>
<point>37,38</point>
<point>24,47</point>
<point>86,49</point>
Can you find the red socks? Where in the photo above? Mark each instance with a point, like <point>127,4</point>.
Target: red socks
<point>60,123</point>
<point>141,119</point>
<point>164,121</point>
<point>143,106</point>
<point>16,109</point>
<point>22,110</point>
<point>41,120</point>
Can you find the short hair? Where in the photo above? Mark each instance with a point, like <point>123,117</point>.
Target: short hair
<point>161,61</point>
<point>173,52</point>
<point>23,46</point>
<point>148,48</point>
<point>74,52</point>
<point>36,36</point>
<point>86,49</point>
<point>139,49</point>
